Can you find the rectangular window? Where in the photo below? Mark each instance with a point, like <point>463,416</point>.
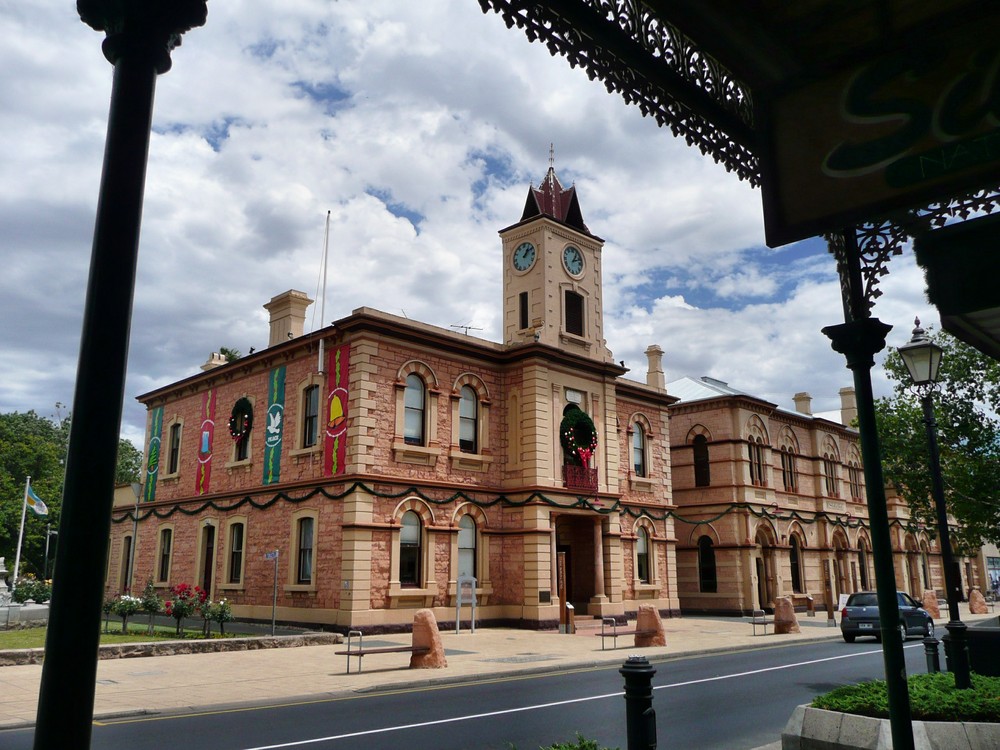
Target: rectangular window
<point>310,416</point>
<point>175,448</point>
<point>854,473</point>
<point>574,313</point>
<point>522,300</point>
<point>163,572</point>
<point>304,570</point>
<point>236,553</point>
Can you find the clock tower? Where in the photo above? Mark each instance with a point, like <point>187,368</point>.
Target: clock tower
<point>552,274</point>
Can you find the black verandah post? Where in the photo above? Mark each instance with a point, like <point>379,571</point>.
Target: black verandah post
<point>140,36</point>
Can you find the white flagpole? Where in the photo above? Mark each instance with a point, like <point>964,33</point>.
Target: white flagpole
<point>322,299</point>
<point>20,535</point>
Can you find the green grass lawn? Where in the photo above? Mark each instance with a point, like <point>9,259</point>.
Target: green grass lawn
<point>35,637</point>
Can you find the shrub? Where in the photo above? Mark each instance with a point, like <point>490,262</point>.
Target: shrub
<point>933,697</point>
<point>582,743</point>
<point>151,602</point>
<point>125,606</point>
<point>31,588</point>
<point>185,602</point>
<point>219,612</point>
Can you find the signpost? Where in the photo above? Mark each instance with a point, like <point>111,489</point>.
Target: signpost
<point>466,593</point>
<point>273,555</point>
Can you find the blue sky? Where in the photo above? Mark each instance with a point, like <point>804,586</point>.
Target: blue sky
<point>419,126</point>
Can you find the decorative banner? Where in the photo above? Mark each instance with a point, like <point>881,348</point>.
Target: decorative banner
<point>335,455</point>
<point>203,476</point>
<point>153,454</point>
<point>275,425</point>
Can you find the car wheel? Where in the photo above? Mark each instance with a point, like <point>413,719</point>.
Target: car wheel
<point>848,638</point>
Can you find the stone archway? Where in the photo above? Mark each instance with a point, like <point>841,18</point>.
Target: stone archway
<point>765,565</point>
<point>575,536</point>
<point>841,558</point>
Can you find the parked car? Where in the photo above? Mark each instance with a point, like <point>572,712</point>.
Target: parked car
<point>860,617</point>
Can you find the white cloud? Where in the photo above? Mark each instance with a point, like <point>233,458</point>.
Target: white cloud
<point>419,126</point>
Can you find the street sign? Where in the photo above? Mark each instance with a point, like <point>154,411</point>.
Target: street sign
<point>273,555</point>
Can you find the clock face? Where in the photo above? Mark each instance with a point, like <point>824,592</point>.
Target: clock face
<point>524,256</point>
<point>573,260</point>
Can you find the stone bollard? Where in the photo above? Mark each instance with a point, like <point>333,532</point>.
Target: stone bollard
<point>648,620</point>
<point>977,602</point>
<point>932,655</point>
<point>785,621</point>
<point>640,718</point>
<point>425,633</point>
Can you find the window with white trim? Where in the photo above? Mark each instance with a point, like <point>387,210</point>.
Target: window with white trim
<point>410,549</point>
<point>466,546</point>
<point>414,406</point>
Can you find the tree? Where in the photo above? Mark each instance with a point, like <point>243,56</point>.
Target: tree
<point>35,446</point>
<point>230,354</point>
<point>966,404</point>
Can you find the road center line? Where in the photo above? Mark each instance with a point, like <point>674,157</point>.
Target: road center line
<point>540,706</point>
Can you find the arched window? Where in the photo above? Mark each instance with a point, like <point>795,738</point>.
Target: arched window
<point>755,451</point>
<point>926,568</point>
<point>642,555</point>
<point>854,475</point>
<point>466,546</point>
<point>863,564</point>
<point>236,541</point>
<point>163,567</point>
<point>789,476</point>
<point>795,559</point>
<point>639,450</point>
<point>468,420</point>
<point>708,582</point>
<point>410,537</point>
<point>702,468</point>
<point>413,404</point>
<point>310,416</point>
<point>304,547</point>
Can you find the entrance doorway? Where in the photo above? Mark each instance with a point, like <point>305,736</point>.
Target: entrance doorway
<point>575,537</point>
<point>207,559</point>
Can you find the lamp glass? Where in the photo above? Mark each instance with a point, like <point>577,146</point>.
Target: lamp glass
<point>922,359</point>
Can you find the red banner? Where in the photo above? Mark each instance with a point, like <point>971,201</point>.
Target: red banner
<point>338,365</point>
<point>206,437</point>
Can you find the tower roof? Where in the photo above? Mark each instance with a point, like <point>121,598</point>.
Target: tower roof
<point>552,199</point>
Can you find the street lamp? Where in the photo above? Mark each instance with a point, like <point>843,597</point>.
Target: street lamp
<point>922,358</point>
<point>137,490</point>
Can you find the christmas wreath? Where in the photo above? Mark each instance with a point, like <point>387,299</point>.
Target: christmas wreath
<point>577,435</point>
<point>241,420</point>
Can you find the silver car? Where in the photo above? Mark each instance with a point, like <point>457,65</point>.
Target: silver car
<point>860,617</point>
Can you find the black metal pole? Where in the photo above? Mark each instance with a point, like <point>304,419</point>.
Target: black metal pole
<point>140,37</point>
<point>956,644</point>
<point>640,718</point>
<point>858,341</point>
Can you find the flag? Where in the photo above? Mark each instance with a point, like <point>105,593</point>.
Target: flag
<point>35,503</point>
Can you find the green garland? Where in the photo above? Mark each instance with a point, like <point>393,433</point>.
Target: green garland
<point>583,503</point>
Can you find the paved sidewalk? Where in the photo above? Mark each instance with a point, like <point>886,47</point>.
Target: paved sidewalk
<point>185,682</point>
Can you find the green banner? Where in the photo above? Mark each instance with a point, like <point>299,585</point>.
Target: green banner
<point>153,454</point>
<point>274,426</point>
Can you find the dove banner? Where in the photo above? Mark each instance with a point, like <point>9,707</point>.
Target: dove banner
<point>203,476</point>
<point>275,425</point>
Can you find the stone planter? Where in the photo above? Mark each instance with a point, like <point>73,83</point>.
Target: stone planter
<point>816,729</point>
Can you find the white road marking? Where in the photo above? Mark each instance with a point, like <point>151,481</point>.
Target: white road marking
<point>540,706</point>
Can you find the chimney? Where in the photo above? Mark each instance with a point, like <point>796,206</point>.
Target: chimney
<point>288,316</point>
<point>214,360</point>
<point>654,371</point>
<point>803,403</point>
<point>848,406</point>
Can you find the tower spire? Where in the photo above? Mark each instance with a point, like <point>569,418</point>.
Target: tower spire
<point>552,156</point>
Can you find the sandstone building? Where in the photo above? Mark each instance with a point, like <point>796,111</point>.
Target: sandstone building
<point>382,458</point>
<point>771,502</point>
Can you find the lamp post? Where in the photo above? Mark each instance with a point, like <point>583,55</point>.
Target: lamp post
<point>922,358</point>
<point>137,491</point>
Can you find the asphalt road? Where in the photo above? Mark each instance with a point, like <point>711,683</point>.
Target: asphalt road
<point>732,701</point>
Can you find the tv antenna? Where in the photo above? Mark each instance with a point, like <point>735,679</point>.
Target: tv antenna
<point>465,328</point>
